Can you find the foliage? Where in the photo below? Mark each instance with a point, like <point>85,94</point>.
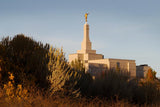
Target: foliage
<point>118,84</point>
<point>151,75</point>
<point>32,63</point>
<point>66,79</point>
<point>154,74</point>
<point>146,92</point>
<point>59,67</point>
<point>85,79</point>
<point>77,65</point>
<point>63,79</point>
<point>25,63</point>
<point>114,83</point>
<point>13,93</point>
<point>4,65</point>
<point>39,100</point>
<point>26,59</point>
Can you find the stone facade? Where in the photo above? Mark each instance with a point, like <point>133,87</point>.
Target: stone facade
<point>123,64</point>
<point>142,70</point>
<point>95,63</point>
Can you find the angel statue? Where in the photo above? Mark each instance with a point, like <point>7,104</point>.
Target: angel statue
<point>86,16</point>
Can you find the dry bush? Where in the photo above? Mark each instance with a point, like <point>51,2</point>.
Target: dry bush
<point>115,89</point>
<point>113,83</point>
<point>118,84</point>
<point>66,79</point>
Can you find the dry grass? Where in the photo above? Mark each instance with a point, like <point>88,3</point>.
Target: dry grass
<point>113,90</point>
<point>37,99</point>
<point>41,101</point>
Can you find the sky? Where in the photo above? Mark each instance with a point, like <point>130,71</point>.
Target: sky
<point>122,29</point>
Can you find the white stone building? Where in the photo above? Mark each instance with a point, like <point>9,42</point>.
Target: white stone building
<point>95,63</point>
<point>142,70</point>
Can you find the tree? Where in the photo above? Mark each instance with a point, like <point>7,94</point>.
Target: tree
<point>26,59</point>
<point>150,74</point>
<point>4,61</point>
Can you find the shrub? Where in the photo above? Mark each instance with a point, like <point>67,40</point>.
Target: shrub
<point>77,65</point>
<point>13,93</point>
<point>59,67</point>
<point>26,59</point>
<point>84,80</point>
<point>113,83</point>
<point>63,79</point>
<point>66,79</point>
<point>151,75</point>
<point>117,84</point>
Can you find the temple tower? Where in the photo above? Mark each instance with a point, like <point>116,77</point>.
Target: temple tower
<point>86,45</point>
<point>86,53</point>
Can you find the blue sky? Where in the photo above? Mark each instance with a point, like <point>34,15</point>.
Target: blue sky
<point>126,29</point>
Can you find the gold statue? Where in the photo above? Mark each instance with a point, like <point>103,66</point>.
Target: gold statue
<point>86,16</point>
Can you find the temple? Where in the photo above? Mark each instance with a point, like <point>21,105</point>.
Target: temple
<point>95,63</point>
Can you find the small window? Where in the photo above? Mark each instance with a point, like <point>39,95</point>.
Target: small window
<point>118,64</point>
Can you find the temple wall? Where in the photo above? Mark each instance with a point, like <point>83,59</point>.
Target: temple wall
<point>142,71</point>
<point>132,69</point>
<point>97,67</point>
<point>100,61</point>
<point>95,56</point>
<point>90,56</point>
<point>72,57</point>
<point>127,65</point>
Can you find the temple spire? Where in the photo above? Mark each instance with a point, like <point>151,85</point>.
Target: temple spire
<point>86,45</point>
